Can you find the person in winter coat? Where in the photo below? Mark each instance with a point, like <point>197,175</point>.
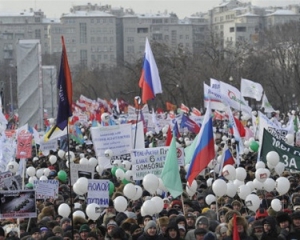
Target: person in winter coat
<point>150,232</point>
<point>201,222</point>
<point>295,228</point>
<point>242,227</point>
<point>270,228</point>
<point>172,232</point>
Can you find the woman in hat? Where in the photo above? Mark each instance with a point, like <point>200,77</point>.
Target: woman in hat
<point>242,228</point>
<point>151,232</point>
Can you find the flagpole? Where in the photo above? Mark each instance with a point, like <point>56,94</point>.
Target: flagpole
<point>138,100</point>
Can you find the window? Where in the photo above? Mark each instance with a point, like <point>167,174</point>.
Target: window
<point>241,29</point>
<point>83,57</point>
<point>83,32</point>
<point>38,33</point>
<point>130,39</point>
<point>142,30</point>
<point>231,29</point>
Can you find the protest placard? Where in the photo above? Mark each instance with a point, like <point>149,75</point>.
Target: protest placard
<point>151,160</point>
<point>45,189</point>
<point>81,170</point>
<point>98,192</point>
<point>49,145</point>
<point>17,204</point>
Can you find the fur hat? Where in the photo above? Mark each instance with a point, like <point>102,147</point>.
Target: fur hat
<point>58,229</point>
<point>295,215</point>
<point>229,215</point>
<point>236,202</point>
<point>46,211</point>
<point>78,221</point>
<point>163,221</point>
<point>282,217</point>
<point>239,221</point>
<point>202,220</point>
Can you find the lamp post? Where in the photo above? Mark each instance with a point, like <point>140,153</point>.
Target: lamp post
<point>10,88</point>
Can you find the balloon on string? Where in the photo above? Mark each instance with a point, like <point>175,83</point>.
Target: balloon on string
<point>61,153</point>
<point>13,166</point>
<point>243,191</point>
<point>257,184</point>
<point>79,213</point>
<point>138,192</point>
<point>108,153</point>
<point>252,202</point>
<point>273,158</point>
<point>158,203</point>
<point>262,174</point>
<point>52,159</point>
<point>276,205</point>
<point>45,152</point>
<point>129,175</point>
<point>84,161</point>
<point>32,179</point>
<point>92,211</point>
<point>129,190</point>
<point>150,183</point>
<point>111,188</point>
<point>64,210</point>
<point>279,168</point>
<point>250,185</point>
<point>219,187</point>
<point>62,175</point>
<point>120,174</point>
<point>30,171</point>
<point>289,139</point>
<point>241,173</point>
<point>254,146</point>
<point>193,186</point>
<point>120,203</point>
<point>238,183</point>
<point>228,172</point>
<point>99,169</point>
<point>231,189</point>
<point>127,165</point>
<point>43,178</point>
<point>210,198</point>
<point>269,185</point>
<point>209,182</point>
<point>282,185</point>
<point>260,164</point>
<point>149,207</point>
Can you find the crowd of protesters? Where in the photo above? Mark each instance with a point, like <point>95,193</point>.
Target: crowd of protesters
<point>186,217</point>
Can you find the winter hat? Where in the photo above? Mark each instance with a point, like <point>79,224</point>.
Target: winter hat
<point>163,221</point>
<point>209,236</point>
<point>111,223</point>
<point>149,224</point>
<point>202,220</point>
<point>63,220</point>
<point>200,231</point>
<point>58,229</point>
<point>295,215</point>
<point>282,217</point>
<point>84,228</point>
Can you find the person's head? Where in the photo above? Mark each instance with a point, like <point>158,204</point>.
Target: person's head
<point>202,222</point>
<point>118,234</point>
<point>162,224</point>
<point>146,219</point>
<point>213,206</point>
<point>84,231</point>
<point>172,231</point>
<point>182,231</point>
<point>257,228</point>
<point>58,231</point>
<point>283,220</point>
<point>296,219</point>
<point>150,228</point>
<point>190,219</point>
<point>65,222</point>
<point>92,236</point>
<point>35,233</point>
<point>199,233</point>
<point>236,205</point>
<point>110,226</point>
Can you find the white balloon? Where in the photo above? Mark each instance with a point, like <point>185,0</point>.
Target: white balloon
<point>241,173</point>
<point>52,159</point>
<point>244,191</point>
<point>252,202</point>
<point>79,213</point>
<point>35,159</point>
<point>43,178</point>
<point>210,198</point>
<point>189,191</point>
<point>32,179</point>
<point>150,183</point>
<point>231,189</point>
<point>282,185</point>
<point>108,153</point>
<point>83,183</point>
<point>262,174</point>
<point>247,144</point>
<point>138,192</point>
<point>91,211</point>
<point>260,164</point>
<point>99,169</point>
<point>70,156</point>
<point>228,172</point>
<point>276,205</point>
<point>258,185</point>
<point>84,161</point>
<point>129,190</point>
<point>77,189</point>
<point>64,210</point>
<point>120,203</point>
<point>289,138</point>
<point>45,152</point>
<point>30,171</point>
<point>246,150</point>
<point>129,175</point>
<point>120,175</point>
<point>279,168</point>
<point>161,185</point>
<point>93,162</point>
<point>238,183</point>
<point>13,166</point>
<point>127,164</point>
<point>118,163</point>
<point>269,185</point>
<point>250,185</point>
<point>81,155</point>
<point>158,203</point>
<point>39,172</point>
<point>61,153</point>
<point>149,207</point>
<point>193,186</point>
<point>209,182</point>
<point>219,187</point>
<point>270,166</point>
<point>273,158</point>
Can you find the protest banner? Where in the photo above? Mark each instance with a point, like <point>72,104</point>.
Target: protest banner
<point>45,189</point>
<point>18,204</point>
<point>81,170</point>
<point>151,160</point>
<point>10,182</point>
<point>49,145</point>
<point>288,154</point>
<point>117,138</point>
<point>98,192</point>
<point>24,140</point>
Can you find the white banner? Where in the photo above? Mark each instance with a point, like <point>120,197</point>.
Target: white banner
<point>117,138</point>
<point>151,160</point>
<point>251,89</point>
<point>49,145</point>
<point>46,189</point>
<point>98,192</point>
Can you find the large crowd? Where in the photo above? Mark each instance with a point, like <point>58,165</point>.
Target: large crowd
<point>188,217</point>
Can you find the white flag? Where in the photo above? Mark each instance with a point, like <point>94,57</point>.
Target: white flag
<point>251,89</point>
<point>266,105</point>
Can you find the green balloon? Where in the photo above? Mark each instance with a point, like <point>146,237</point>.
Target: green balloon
<point>111,188</point>
<point>29,185</point>
<point>113,170</point>
<point>254,146</point>
<point>62,175</point>
<point>125,181</point>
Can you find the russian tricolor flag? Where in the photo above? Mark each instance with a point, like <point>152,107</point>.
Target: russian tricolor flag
<point>205,147</point>
<point>227,158</point>
<point>150,80</point>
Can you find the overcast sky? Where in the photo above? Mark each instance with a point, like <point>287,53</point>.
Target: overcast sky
<point>183,8</point>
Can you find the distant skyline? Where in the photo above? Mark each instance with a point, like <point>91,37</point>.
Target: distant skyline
<point>183,8</point>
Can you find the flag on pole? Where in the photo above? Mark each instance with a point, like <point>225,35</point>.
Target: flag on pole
<point>65,91</point>
<point>251,89</point>
<point>170,174</point>
<point>196,112</point>
<point>191,125</point>
<point>205,147</point>
<point>169,137</point>
<point>266,105</point>
<point>150,81</point>
<point>235,235</point>
<point>227,158</point>
<point>184,108</point>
